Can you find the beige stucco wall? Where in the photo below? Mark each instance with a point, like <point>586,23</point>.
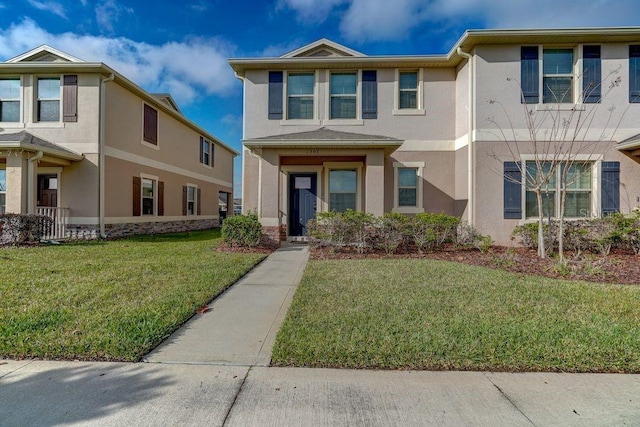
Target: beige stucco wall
<point>78,188</point>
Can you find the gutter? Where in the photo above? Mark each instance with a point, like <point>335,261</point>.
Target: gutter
<point>101,138</point>
<point>31,208</point>
<point>470,151</point>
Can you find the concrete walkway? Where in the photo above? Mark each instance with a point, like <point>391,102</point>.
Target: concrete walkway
<point>242,324</point>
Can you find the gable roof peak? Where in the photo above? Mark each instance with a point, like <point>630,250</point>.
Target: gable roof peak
<point>323,48</point>
<point>44,53</point>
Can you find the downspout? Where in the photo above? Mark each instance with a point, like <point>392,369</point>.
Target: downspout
<point>244,96</point>
<point>470,151</point>
<point>101,168</point>
<point>30,184</point>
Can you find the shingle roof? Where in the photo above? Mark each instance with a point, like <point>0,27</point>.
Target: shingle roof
<point>324,134</point>
<point>25,138</point>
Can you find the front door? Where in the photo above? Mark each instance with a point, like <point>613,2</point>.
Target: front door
<point>302,202</point>
<point>48,190</point>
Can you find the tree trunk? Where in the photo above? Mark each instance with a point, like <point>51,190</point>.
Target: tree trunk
<point>541,248</point>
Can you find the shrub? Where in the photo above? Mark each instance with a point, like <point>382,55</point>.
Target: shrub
<point>359,228</point>
<point>328,229</point>
<point>468,236</point>
<point>391,231</point>
<point>18,229</point>
<point>242,230</point>
<point>430,231</point>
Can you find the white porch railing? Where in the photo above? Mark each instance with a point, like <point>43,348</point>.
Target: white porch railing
<point>58,228</point>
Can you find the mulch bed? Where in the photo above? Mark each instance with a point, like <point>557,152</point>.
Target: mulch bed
<point>615,268</point>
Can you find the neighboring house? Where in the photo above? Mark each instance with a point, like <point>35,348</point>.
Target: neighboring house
<point>83,144</point>
<point>329,128</point>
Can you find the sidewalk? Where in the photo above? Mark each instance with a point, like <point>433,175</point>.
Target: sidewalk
<point>146,394</point>
<point>242,324</point>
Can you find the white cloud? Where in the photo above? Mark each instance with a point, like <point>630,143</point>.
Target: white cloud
<point>186,69</point>
<point>108,13</point>
<point>375,20</point>
<point>50,6</point>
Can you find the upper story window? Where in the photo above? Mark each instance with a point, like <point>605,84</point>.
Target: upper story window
<point>300,88</point>
<point>408,90</point>
<point>10,100</point>
<point>343,89</point>
<point>150,126</point>
<point>206,152</point>
<point>634,73</point>
<point>557,80</point>
<point>48,102</point>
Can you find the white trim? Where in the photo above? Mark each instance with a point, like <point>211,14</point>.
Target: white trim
<point>419,207</point>
<point>428,145</point>
<point>286,121</point>
<point>419,111</point>
<point>20,122</point>
<point>155,180</point>
<point>36,97</point>
<point>329,166</point>
<point>195,199</point>
<point>140,160</point>
<point>357,120</point>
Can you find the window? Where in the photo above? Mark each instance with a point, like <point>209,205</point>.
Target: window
<point>148,196</point>
<point>150,126</point>
<point>557,80</point>
<point>407,187</point>
<point>48,99</point>
<point>634,73</point>
<point>343,95</point>
<point>300,87</point>
<point>343,190</point>
<point>3,190</point>
<point>577,187</point>
<point>191,200</point>
<point>206,152</point>
<point>408,86</point>
<point>10,100</point>
<point>591,74</point>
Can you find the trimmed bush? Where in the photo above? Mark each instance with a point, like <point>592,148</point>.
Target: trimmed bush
<point>242,230</point>
<point>467,236</point>
<point>430,231</point>
<point>17,229</point>
<point>391,231</point>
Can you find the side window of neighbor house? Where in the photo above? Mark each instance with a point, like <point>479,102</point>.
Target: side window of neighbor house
<point>634,73</point>
<point>150,126</point>
<point>48,101</point>
<point>10,100</point>
<point>3,190</point>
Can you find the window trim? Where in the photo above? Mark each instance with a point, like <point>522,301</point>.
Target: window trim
<point>202,153</point>
<point>155,181</point>
<point>195,199</point>
<point>419,208</point>
<point>20,122</point>
<point>596,172</point>
<point>357,120</point>
<point>329,166</point>
<point>142,140</point>
<point>37,99</point>
<point>576,56</point>
<point>286,121</point>
<point>419,111</point>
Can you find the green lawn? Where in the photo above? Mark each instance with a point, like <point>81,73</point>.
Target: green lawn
<point>424,314</point>
<point>111,300</point>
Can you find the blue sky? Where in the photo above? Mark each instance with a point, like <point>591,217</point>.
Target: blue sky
<point>182,47</point>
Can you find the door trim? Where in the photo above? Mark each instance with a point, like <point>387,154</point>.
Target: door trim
<point>285,171</point>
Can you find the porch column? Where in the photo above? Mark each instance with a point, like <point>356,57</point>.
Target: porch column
<point>17,193</point>
<point>270,194</point>
<point>374,183</point>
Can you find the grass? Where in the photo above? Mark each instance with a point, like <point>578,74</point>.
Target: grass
<point>425,314</point>
<point>112,300</point>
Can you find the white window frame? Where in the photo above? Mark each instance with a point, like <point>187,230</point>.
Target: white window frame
<point>142,141</point>
<point>327,110</point>
<point>285,100</point>
<point>20,122</point>
<point>195,199</point>
<point>37,99</point>
<point>419,111</point>
<point>331,166</point>
<point>419,208</point>
<point>207,153</point>
<point>574,80</point>
<point>596,160</point>
<point>155,181</point>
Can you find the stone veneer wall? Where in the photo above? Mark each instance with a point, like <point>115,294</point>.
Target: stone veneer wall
<point>77,231</point>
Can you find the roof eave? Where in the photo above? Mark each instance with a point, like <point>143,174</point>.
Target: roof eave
<point>66,155</point>
<point>388,146</point>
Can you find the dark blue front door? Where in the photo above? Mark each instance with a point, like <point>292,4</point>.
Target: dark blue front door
<point>302,202</point>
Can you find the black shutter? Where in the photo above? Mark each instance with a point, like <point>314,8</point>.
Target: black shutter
<point>70,98</point>
<point>198,200</point>
<point>184,199</point>
<point>160,198</point>
<point>201,150</point>
<point>610,188</point>
<point>591,75</point>
<point>512,191</point>
<point>369,95</point>
<point>529,74</point>
<point>150,125</point>
<point>634,73</point>
<point>275,95</point>
<point>137,196</point>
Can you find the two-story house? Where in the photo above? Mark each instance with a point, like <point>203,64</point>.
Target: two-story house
<point>103,157</point>
<point>329,128</point>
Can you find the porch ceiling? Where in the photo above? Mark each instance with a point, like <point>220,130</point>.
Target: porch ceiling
<point>326,138</point>
<point>631,147</point>
<point>27,142</point>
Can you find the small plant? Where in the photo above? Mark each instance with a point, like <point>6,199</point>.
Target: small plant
<point>242,230</point>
